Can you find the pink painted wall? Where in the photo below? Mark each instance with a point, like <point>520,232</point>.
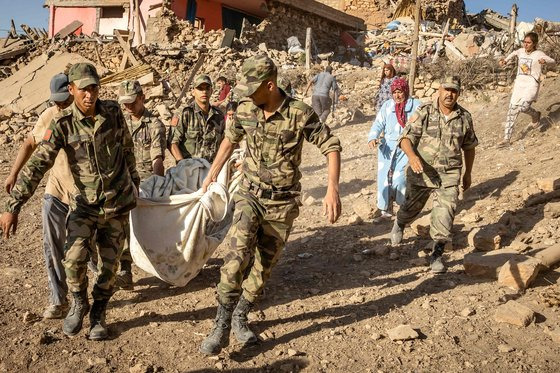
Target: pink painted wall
<point>64,16</point>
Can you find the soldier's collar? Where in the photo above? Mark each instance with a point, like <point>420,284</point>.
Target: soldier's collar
<point>146,116</point>
<point>77,113</point>
<point>284,106</point>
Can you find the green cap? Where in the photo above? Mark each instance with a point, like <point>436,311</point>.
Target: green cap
<point>128,90</point>
<point>82,75</point>
<point>451,82</point>
<point>254,71</point>
<point>201,79</point>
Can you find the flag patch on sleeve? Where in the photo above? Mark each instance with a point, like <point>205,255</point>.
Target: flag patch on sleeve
<point>47,135</point>
<point>174,121</point>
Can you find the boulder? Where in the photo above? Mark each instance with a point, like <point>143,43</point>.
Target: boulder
<point>514,313</point>
<point>518,273</point>
<point>487,264</point>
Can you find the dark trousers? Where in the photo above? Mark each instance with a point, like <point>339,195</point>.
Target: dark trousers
<point>322,106</point>
<point>54,215</point>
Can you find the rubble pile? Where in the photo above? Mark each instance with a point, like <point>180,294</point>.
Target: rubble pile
<point>18,50</point>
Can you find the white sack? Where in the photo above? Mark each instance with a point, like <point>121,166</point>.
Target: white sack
<point>175,228</point>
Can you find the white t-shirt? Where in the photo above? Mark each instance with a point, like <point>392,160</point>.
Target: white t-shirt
<point>529,70</point>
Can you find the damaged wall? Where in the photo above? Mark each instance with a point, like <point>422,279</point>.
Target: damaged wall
<point>274,33</point>
<point>377,13</point>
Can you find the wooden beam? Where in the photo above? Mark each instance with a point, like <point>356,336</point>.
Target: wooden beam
<point>308,49</point>
<point>195,69</point>
<point>412,74</point>
<point>512,26</point>
<point>68,29</point>
<point>137,33</point>
<point>126,47</point>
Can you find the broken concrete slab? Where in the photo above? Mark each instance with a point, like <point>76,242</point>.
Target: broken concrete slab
<point>487,264</point>
<point>28,88</point>
<point>485,239</point>
<point>514,313</point>
<point>402,333</point>
<point>519,273</point>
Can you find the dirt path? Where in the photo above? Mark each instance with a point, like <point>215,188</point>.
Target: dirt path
<point>327,306</point>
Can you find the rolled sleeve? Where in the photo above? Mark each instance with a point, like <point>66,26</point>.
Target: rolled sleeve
<point>178,132</point>
<point>414,128</point>
<point>470,140</point>
<point>235,132</point>
<point>157,133</point>
<point>319,134</point>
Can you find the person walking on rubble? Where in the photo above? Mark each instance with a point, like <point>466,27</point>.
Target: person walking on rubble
<point>94,136</point>
<point>434,140</point>
<point>198,129</point>
<point>527,82</point>
<point>275,127</point>
<point>391,160</point>
<point>388,75</point>
<point>55,201</point>
<point>321,101</point>
<point>148,135</point>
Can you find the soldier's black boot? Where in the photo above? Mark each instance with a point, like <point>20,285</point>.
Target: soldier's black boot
<point>124,276</point>
<point>219,335</point>
<point>239,322</point>
<point>98,328</point>
<point>73,321</point>
<point>436,260</point>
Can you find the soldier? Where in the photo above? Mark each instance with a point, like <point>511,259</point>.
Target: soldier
<point>199,128</point>
<point>56,198</point>
<point>275,127</point>
<point>94,136</point>
<point>148,135</point>
<point>433,140</point>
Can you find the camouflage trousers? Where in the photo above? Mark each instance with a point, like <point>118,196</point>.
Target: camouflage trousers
<point>109,238</point>
<point>443,209</point>
<point>260,230</point>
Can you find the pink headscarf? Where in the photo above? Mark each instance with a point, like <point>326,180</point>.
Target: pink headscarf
<point>402,85</point>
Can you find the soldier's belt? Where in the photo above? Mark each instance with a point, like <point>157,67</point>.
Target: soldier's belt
<point>275,195</point>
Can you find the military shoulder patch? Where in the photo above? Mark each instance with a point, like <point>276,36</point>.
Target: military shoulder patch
<point>47,135</point>
<point>174,121</point>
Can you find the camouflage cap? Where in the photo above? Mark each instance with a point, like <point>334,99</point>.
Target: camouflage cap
<point>128,90</point>
<point>451,82</point>
<point>285,84</point>
<point>254,71</point>
<point>201,79</point>
<point>83,74</point>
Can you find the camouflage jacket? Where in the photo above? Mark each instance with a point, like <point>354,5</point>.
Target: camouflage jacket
<point>439,144</point>
<point>274,145</point>
<point>198,135</point>
<point>148,136</point>
<point>101,158</point>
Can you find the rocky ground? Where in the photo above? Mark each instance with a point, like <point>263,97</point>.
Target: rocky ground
<point>329,305</point>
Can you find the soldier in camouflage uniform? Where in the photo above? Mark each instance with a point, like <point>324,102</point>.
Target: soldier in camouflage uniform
<point>434,140</point>
<point>94,136</point>
<point>198,129</point>
<point>148,135</point>
<point>275,127</point>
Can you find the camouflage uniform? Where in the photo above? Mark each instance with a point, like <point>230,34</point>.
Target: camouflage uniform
<point>266,204</point>
<point>148,134</point>
<point>100,153</point>
<point>439,144</point>
<point>198,134</point>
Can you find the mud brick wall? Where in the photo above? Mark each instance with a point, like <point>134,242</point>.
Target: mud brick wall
<point>377,13</point>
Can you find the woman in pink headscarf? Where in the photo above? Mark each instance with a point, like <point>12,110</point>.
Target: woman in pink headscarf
<point>391,160</point>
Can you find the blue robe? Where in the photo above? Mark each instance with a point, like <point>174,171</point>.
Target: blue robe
<point>391,178</point>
